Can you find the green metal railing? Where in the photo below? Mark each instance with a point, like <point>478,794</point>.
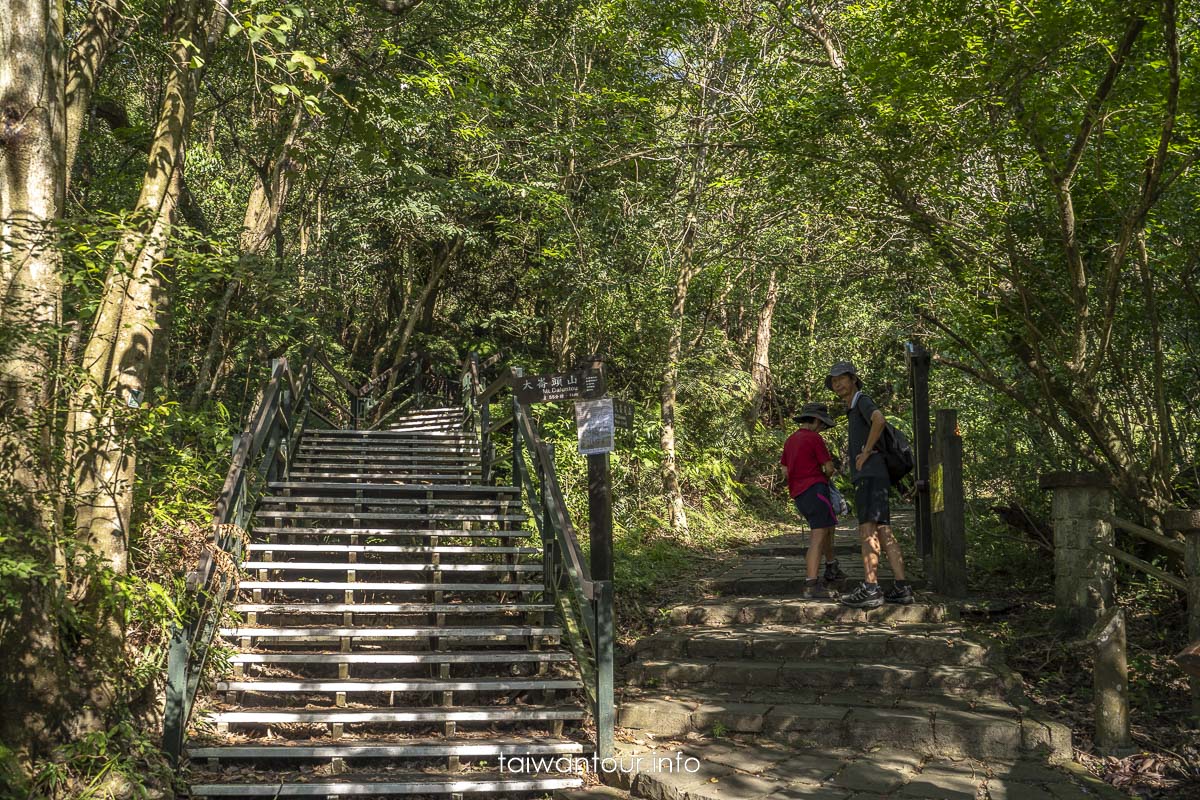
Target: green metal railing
<point>261,454</point>
<point>584,605</point>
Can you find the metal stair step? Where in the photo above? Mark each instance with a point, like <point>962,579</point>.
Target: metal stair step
<point>370,566</point>
<point>343,435</point>
<point>467,502</point>
<point>350,514</point>
<point>413,685</point>
<point>421,784</point>
<point>440,657</point>
<point>384,458</point>
<point>351,716</point>
<point>393,488</point>
<point>268,547</point>
<point>388,532</point>
<point>444,631</point>
<point>413,748</point>
<point>390,608</point>
<point>390,586</point>
<point>443,477</point>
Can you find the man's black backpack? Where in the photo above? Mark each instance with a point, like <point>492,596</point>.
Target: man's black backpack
<point>896,451</point>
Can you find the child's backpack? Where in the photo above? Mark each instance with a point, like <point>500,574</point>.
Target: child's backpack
<point>896,451</point>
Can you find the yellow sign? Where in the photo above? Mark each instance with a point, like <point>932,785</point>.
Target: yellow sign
<point>937,502</point>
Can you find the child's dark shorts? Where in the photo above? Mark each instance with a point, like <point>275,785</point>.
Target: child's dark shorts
<point>871,500</point>
<point>815,506</point>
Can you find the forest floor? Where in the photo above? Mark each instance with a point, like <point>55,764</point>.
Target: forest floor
<point>1012,605</point>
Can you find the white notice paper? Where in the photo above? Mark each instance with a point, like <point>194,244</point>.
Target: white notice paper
<point>594,420</point>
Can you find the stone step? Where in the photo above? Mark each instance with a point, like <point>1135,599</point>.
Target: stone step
<point>440,657</point>
<point>927,724</point>
<point>448,632</point>
<point>823,675</point>
<point>373,566</point>
<point>932,645</point>
<point>385,715</point>
<point>392,608</point>
<point>352,687</point>
<point>387,586</point>
<point>387,549</point>
<point>760,610</point>
<point>383,533</point>
<point>390,515</point>
<point>725,770</point>
<point>390,784</point>
<point>411,748</point>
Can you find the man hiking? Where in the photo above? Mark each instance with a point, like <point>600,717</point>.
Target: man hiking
<point>868,472</point>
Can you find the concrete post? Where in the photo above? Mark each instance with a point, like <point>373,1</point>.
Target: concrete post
<point>1083,574</point>
<point>1110,678</point>
<point>1188,523</point>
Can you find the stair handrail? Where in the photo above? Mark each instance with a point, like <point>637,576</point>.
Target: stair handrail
<point>584,604</point>
<point>262,453</point>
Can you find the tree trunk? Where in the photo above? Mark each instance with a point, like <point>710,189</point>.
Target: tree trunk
<point>118,351</point>
<point>422,307</point>
<point>259,226</point>
<point>91,48</point>
<point>760,363</point>
<point>32,187</point>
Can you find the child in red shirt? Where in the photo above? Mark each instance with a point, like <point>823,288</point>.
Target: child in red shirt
<point>808,466</point>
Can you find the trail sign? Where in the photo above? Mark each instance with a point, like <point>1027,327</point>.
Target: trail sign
<point>594,420</point>
<point>579,384</point>
<point>623,414</point>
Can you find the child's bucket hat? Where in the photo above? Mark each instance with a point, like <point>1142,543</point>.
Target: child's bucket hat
<point>817,411</point>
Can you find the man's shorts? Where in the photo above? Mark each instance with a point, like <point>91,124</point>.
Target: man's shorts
<point>871,500</point>
<point>815,506</point>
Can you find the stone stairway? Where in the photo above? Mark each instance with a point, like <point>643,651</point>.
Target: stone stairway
<point>393,638</point>
<point>784,697</point>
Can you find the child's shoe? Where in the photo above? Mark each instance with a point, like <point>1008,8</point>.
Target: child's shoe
<point>833,572</point>
<point>815,589</point>
<point>900,593</point>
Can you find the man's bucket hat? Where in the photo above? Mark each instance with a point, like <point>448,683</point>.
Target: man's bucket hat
<point>817,411</point>
<point>842,368</point>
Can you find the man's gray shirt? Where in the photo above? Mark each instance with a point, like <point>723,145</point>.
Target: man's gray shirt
<point>859,418</point>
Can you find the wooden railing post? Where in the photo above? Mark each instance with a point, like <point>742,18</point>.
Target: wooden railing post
<point>948,507</point>
<point>1081,512</point>
<point>918,365</point>
<point>1188,523</point>
<point>517,372</point>
<point>605,708</point>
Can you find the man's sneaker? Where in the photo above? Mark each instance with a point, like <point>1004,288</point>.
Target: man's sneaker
<point>864,597</point>
<point>899,594</point>
<point>817,590</point>
<point>833,573</point>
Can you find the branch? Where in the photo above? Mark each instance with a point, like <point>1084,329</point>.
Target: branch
<point>1091,115</point>
<point>397,8</point>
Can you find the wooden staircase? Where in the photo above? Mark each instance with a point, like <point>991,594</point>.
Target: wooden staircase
<point>392,634</point>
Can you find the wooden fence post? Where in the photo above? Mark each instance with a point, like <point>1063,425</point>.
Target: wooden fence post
<point>948,507</point>
<point>918,370</point>
<point>1110,680</point>
<point>1188,523</point>
<point>1081,511</point>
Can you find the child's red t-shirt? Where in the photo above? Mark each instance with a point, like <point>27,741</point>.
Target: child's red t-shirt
<point>803,454</point>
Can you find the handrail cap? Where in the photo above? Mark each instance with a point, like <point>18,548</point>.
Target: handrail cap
<point>1075,480</point>
<point>1182,519</point>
